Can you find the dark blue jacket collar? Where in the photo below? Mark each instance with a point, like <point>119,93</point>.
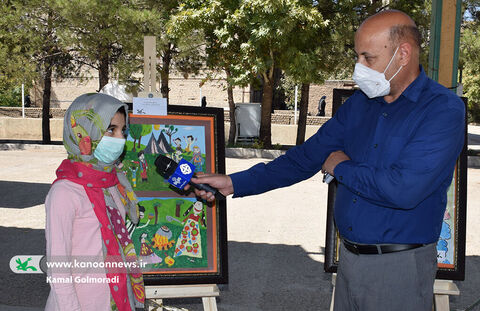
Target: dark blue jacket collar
<point>413,91</point>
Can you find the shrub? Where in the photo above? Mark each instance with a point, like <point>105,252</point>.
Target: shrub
<point>11,97</point>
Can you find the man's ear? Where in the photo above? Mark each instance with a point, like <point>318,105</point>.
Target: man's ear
<point>405,51</point>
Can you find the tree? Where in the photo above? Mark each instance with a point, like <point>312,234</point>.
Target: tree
<point>100,33</point>
<point>52,56</point>
<point>265,35</point>
<point>181,52</point>
<point>35,26</point>
<point>350,14</point>
<point>469,63</point>
<point>15,65</point>
<point>277,32</point>
<point>211,18</point>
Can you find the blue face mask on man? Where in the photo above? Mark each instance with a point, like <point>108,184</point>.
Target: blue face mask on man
<point>109,149</point>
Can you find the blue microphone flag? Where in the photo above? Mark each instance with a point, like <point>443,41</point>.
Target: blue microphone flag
<point>182,174</point>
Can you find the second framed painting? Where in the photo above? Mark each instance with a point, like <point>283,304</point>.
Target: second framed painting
<point>179,239</point>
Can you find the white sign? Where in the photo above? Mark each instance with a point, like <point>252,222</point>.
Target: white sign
<point>154,106</point>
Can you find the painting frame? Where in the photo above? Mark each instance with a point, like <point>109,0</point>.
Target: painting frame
<point>211,227</point>
<point>455,271</point>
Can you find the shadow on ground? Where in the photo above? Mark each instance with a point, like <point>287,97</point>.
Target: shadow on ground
<point>262,277</point>
<point>267,277</point>
<point>473,139</point>
<point>30,290</point>
<point>17,194</point>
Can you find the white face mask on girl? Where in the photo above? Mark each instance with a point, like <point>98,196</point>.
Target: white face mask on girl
<point>372,82</point>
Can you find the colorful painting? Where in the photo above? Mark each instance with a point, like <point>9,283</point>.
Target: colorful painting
<point>180,239</point>
<point>451,244</point>
<point>446,242</point>
<point>172,234</point>
<point>146,141</point>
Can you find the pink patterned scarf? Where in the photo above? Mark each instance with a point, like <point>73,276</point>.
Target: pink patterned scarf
<point>115,237</point>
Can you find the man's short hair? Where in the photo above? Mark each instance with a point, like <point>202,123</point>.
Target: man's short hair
<point>400,33</point>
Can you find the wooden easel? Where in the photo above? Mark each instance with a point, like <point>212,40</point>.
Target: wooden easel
<point>149,67</point>
<point>207,292</point>
<point>441,290</point>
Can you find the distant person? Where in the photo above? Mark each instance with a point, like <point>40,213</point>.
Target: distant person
<point>321,107</point>
<point>85,213</point>
<point>204,101</point>
<point>392,147</point>
<point>28,101</point>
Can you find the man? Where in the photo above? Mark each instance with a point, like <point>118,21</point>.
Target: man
<point>392,148</point>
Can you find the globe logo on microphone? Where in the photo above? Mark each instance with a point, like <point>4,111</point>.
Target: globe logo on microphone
<point>185,168</point>
<point>182,175</point>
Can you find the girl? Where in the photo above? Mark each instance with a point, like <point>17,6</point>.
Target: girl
<point>85,211</point>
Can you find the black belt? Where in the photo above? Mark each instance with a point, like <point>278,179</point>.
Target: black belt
<point>368,249</point>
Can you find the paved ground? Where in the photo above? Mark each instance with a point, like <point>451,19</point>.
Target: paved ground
<point>276,240</point>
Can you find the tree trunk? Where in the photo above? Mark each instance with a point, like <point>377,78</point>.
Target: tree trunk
<point>278,101</point>
<point>47,88</point>
<point>134,143</point>
<point>302,119</point>
<point>266,118</point>
<point>165,72</point>
<point>103,71</point>
<point>231,105</point>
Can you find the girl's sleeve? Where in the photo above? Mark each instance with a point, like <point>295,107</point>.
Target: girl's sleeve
<point>60,206</point>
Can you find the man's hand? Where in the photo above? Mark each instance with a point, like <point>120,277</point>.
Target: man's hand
<point>222,182</point>
<point>332,161</point>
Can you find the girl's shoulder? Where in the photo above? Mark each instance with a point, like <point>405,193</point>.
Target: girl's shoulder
<point>66,191</point>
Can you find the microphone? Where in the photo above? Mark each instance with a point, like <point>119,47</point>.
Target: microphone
<point>179,174</point>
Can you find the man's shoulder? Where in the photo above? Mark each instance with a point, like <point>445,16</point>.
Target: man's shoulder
<point>356,100</point>
<point>438,95</point>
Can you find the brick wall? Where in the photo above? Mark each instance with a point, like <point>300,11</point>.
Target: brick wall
<point>16,112</point>
<point>184,92</point>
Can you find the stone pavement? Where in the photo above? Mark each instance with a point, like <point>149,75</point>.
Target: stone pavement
<point>275,248</point>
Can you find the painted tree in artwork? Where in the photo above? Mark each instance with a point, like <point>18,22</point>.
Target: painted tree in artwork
<point>178,205</point>
<point>146,129</point>
<point>169,130</point>
<point>135,131</point>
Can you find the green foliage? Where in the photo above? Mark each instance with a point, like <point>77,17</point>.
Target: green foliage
<point>287,84</point>
<point>469,63</point>
<point>11,97</point>
<point>251,38</point>
<point>348,16</point>
<point>15,48</point>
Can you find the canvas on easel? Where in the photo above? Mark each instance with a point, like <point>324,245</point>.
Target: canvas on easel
<point>179,239</point>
